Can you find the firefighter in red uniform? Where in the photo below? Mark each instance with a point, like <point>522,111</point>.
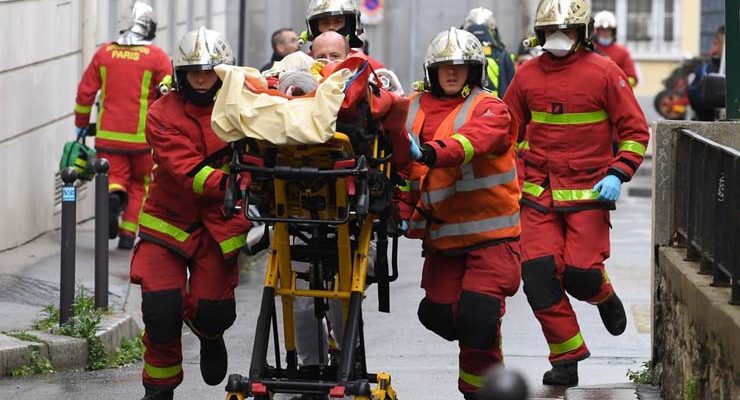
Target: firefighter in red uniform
<point>186,260</point>
<point>466,208</point>
<point>569,101</point>
<point>605,35</point>
<point>126,72</point>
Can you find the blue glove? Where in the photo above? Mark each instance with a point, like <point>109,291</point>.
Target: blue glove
<point>415,150</point>
<point>81,132</point>
<point>608,188</point>
<point>404,226</point>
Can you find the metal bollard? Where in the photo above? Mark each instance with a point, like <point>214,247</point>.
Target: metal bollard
<point>69,231</point>
<point>101,233</point>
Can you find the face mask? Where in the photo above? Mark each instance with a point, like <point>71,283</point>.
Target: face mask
<point>558,44</point>
<point>605,41</point>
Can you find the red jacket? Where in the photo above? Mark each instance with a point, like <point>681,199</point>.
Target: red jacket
<point>567,110</point>
<point>127,77</point>
<point>186,195</point>
<point>621,56</point>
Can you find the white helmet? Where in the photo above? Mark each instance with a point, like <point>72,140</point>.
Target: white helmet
<point>139,26</point>
<point>562,14</point>
<point>200,49</point>
<point>605,20</point>
<point>480,16</point>
<point>324,8</point>
<point>454,46</point>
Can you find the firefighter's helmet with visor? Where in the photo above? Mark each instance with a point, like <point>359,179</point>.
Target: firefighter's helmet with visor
<point>455,46</point>
<point>561,15</point>
<point>318,9</point>
<point>138,25</point>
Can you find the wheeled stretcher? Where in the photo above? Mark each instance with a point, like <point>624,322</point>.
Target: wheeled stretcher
<point>335,198</point>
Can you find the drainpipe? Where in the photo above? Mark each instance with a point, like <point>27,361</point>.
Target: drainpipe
<point>88,32</point>
<point>732,36</point>
<point>242,30</point>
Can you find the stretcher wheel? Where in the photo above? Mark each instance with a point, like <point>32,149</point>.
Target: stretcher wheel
<point>234,396</point>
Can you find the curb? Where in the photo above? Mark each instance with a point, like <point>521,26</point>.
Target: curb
<point>64,352</point>
<point>619,391</point>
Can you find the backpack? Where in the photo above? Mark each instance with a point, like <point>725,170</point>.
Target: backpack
<point>78,155</point>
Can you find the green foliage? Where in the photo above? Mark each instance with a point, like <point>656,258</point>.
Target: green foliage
<point>23,335</point>
<point>38,365</point>
<point>130,352</point>
<point>48,319</point>
<point>642,376</point>
<point>97,357</point>
<point>84,324</point>
<point>691,389</point>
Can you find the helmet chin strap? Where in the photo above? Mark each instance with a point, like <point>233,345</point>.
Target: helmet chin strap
<point>201,99</point>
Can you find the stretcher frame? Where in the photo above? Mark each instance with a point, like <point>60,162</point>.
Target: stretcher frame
<point>345,215</point>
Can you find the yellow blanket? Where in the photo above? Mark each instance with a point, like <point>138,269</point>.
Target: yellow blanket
<point>240,113</point>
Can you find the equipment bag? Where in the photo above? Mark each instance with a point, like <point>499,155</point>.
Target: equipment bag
<point>78,155</point>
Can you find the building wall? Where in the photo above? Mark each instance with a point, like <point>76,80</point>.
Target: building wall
<point>41,65</point>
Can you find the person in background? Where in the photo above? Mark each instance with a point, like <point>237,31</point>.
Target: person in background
<point>185,261</point>
<point>284,41</point>
<point>569,103</point>
<point>127,73</point>
<point>605,41</point>
<point>500,67</point>
<point>701,111</point>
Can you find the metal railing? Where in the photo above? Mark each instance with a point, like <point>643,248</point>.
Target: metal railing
<point>707,213</point>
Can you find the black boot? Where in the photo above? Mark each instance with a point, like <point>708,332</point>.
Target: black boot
<point>126,242</point>
<point>115,207</point>
<point>213,360</point>
<point>613,316</point>
<point>153,394</point>
<point>562,374</point>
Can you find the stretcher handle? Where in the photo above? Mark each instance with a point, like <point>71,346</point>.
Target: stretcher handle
<point>292,173</point>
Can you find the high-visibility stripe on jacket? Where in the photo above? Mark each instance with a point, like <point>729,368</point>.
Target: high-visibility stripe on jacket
<point>187,192</point>
<point>463,206</point>
<point>127,78</point>
<point>569,129</point>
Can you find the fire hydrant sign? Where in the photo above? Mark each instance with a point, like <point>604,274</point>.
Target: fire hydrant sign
<point>372,11</point>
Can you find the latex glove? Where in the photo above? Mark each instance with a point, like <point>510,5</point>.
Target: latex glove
<point>80,132</point>
<point>608,188</point>
<point>404,226</point>
<point>415,150</point>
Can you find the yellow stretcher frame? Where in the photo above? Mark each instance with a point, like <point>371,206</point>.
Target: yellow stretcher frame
<point>280,279</point>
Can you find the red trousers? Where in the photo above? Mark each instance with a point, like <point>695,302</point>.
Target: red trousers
<point>129,173</point>
<point>465,301</point>
<point>199,292</point>
<point>564,253</point>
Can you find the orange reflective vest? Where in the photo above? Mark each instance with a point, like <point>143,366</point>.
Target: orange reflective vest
<point>467,205</point>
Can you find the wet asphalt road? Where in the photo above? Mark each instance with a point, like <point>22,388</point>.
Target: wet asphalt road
<point>422,365</point>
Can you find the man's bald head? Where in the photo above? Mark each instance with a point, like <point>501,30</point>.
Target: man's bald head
<point>331,46</point>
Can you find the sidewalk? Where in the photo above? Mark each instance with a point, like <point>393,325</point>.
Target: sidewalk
<point>29,281</point>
